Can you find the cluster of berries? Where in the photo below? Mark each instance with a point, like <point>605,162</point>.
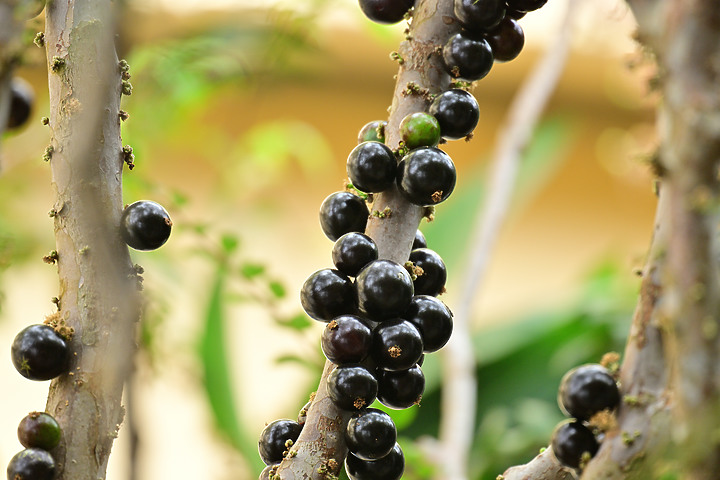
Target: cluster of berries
<point>21,102</point>
<point>39,433</point>
<point>584,392</point>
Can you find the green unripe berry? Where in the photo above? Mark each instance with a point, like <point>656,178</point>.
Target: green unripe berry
<point>373,132</point>
<point>39,430</point>
<point>420,129</point>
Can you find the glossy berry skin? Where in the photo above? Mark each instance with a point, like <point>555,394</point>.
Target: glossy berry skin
<point>570,440</point>
<point>586,390</point>
<point>274,437</point>
<point>39,353</point>
<point>352,387</point>
<point>40,430</point>
<point>396,345</point>
<point>433,319</point>
<point>21,103</point>
<point>426,176</point>
<point>389,467</point>
<point>506,40</point>
<point>419,241</point>
<point>479,15</point>
<point>371,167</point>
<point>400,390</point>
<point>420,129</point>
<point>343,212</point>
<point>467,58</point>
<point>31,464</point>
<point>432,281</point>
<point>373,132</point>
<point>370,434</point>
<point>385,11</point>
<point>327,294</point>
<point>457,112</point>
<point>346,339</point>
<point>145,225</point>
<point>384,290</point>
<point>525,5</point>
<point>352,252</point>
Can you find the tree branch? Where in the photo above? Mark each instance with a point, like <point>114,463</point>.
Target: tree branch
<point>97,280</point>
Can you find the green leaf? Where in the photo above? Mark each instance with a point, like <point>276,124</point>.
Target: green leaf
<point>229,242</point>
<point>298,322</point>
<point>277,289</point>
<point>251,270</point>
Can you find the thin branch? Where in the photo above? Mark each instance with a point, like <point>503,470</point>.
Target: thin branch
<point>457,426</point>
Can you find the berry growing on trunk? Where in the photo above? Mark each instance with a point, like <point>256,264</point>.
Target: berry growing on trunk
<point>352,387</point>
<point>31,464</point>
<point>346,339</point>
<point>570,441</point>
<point>586,390</point>
<point>457,112</point>
<point>467,58</point>
<point>389,467</point>
<point>343,212</point>
<point>396,345</point>
<point>403,389</point>
<point>327,294</point>
<point>385,11</point>
<point>432,280</point>
<point>506,40</point>
<point>426,176</point>
<point>39,429</point>
<point>479,15</point>
<point>370,434</point>
<point>373,132</point>
<point>371,167</point>
<point>39,353</point>
<point>145,225</point>
<point>384,290</point>
<point>419,129</point>
<point>274,439</point>
<point>433,319</point>
<point>352,252</point>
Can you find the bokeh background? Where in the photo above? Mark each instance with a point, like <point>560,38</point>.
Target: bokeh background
<point>241,118</point>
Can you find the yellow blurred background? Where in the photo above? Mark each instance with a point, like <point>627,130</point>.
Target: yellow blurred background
<point>253,155</point>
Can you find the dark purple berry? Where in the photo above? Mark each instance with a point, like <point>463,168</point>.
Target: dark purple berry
<point>31,464</point>
<point>479,15</point>
<point>570,440</point>
<point>145,225</point>
<point>274,439</point>
<point>515,14</point>
<point>506,40</point>
<point>433,319</point>
<point>396,345</point>
<point>586,390</point>
<point>525,5</point>
<point>385,11</point>
<point>420,129</point>
<point>426,176</point>
<point>434,274</point>
<point>371,167</point>
<point>21,103</point>
<point>389,467</point>
<point>38,429</point>
<point>467,58</point>
<point>373,132</point>
<point>343,212</point>
<point>403,389</point>
<point>457,112</point>
<point>370,434</point>
<point>327,294</point>
<point>352,252</point>
<point>352,387</point>
<point>346,339</point>
<point>39,353</point>
<point>384,290</point>
<point>419,241</point>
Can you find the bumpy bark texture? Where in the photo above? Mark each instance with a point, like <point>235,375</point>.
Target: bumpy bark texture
<point>97,281</point>
<point>320,450</point>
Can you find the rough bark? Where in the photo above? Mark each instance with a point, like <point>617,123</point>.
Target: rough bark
<point>98,285</point>
<point>321,449</point>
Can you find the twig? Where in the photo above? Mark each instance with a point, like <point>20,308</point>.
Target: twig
<point>457,426</point>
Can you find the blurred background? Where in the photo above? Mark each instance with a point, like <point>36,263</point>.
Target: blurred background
<point>241,118</point>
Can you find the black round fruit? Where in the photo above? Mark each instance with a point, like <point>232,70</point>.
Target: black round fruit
<point>343,212</point>
<point>467,58</point>
<point>145,225</point>
<point>371,167</point>
<point>352,387</point>
<point>432,280</point>
<point>352,252</point>
<point>21,103</point>
<point>525,5</point>
<point>389,467</point>
<point>327,294</point>
<point>570,440</point>
<point>385,11</point>
<point>396,345</point>
<point>370,434</point>
<point>506,40</point>
<point>426,176</point>
<point>384,289</point>
<point>419,241</point>
<point>479,15</point>
<point>40,430</point>
<point>274,438</point>
<point>373,132</point>
<point>403,389</point>
<point>346,339</point>
<point>31,464</point>
<point>433,319</point>
<point>39,353</point>
<point>457,112</point>
<point>586,390</point>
